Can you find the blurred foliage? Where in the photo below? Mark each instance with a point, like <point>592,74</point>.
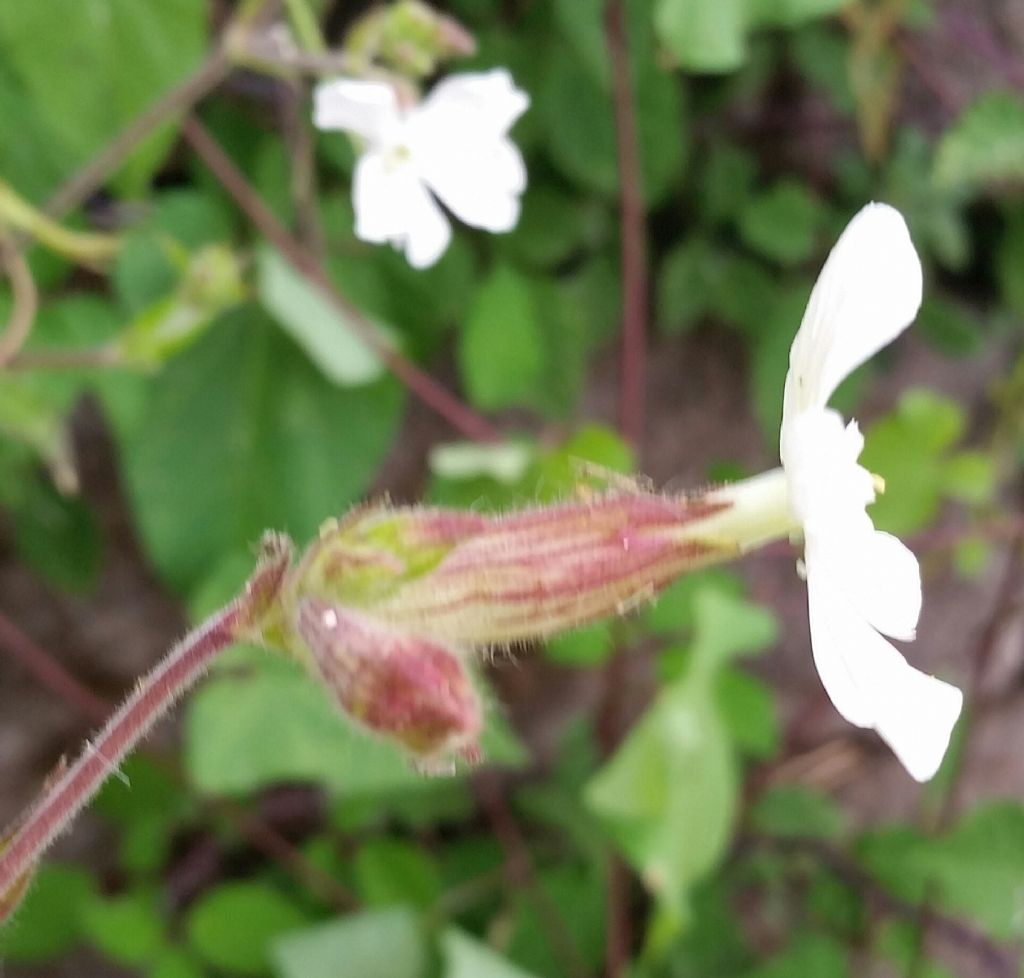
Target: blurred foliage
<point>238,398</point>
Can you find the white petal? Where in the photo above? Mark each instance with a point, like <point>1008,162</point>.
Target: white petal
<point>429,231</point>
<point>834,643</point>
<point>917,717</point>
<point>458,141</point>
<point>392,204</point>
<point>379,194</point>
<point>871,684</point>
<point>827,487</point>
<point>486,102</point>
<point>868,292</point>
<point>480,185</point>
<point>367,108</point>
<point>881,578</point>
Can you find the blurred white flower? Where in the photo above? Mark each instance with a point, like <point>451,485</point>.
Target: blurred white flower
<point>453,145</point>
<point>861,583</point>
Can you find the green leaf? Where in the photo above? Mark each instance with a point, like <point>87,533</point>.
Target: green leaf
<point>241,433</point>
<point>703,37</point>
<point>748,711</point>
<point>728,627</point>
<point>578,116</point>
<point>500,346</point>
<point>969,477</point>
<point>822,54</point>
<point>551,228</point>
<point>390,871</point>
<point>900,942</point>
<point>327,338</point>
<point>668,795</point>
<point>584,647</point>
<point>273,723</point>
<point>796,810</point>
<point>56,534</point>
<point>234,926</point>
<point>985,145</point>
<point>1010,261</point>
<point>934,214</point>
<point>466,957</point>
<point>675,609</point>
<point>374,944</point>
<point>48,921</point>
<point>975,869</point>
<point>779,320</point>
<point>790,13</point>
<point>127,928</point>
<point>783,223</point>
<point>210,283</point>
<point>175,964</point>
<point>727,181</point>
<point>689,276</point>
<point>949,327</point>
<point>571,912</point>
<point>806,956</point>
<point>116,58</point>
<point>910,449</point>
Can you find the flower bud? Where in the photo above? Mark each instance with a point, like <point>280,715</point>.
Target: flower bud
<point>476,579</point>
<point>409,36</point>
<point>410,689</point>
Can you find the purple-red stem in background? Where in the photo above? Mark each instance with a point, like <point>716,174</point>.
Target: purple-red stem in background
<point>419,382</point>
<point>618,920</point>
<point>634,245</point>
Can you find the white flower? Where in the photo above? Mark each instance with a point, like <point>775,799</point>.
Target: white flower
<point>861,583</point>
<point>453,145</point>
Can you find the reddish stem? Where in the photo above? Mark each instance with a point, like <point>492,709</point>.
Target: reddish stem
<point>185,663</point>
<point>50,672</point>
<point>634,245</point>
<point>420,383</point>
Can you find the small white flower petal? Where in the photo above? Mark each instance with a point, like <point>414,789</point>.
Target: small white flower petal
<point>917,717</point>
<point>835,633</point>
<point>380,190</point>
<point>870,682</point>
<point>428,233</point>
<point>482,103</point>
<point>867,293</point>
<point>480,185</point>
<point>392,204</point>
<point>366,108</point>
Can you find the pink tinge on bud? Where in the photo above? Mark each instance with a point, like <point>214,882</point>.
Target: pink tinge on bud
<point>453,38</point>
<point>540,571</point>
<point>412,690</point>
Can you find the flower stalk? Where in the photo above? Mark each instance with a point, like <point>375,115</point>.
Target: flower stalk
<point>387,606</point>
<point>187,661</point>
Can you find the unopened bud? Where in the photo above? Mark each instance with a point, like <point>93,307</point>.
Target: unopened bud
<point>410,689</point>
<point>410,37</point>
<point>476,579</point>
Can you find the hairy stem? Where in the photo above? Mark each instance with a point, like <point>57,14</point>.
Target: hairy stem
<point>185,663</point>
